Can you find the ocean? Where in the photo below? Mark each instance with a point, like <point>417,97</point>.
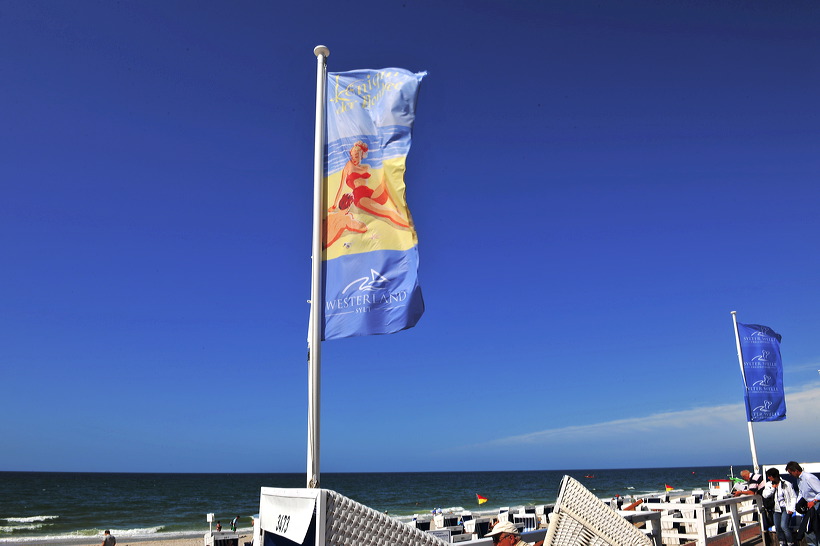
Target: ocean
<point>67,508</point>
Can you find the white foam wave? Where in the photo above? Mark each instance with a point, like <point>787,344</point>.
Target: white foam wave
<point>15,528</point>
<point>87,535</point>
<point>136,532</point>
<point>452,511</point>
<point>449,510</point>
<point>29,519</point>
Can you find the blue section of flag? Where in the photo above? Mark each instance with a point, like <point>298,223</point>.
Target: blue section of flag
<point>371,293</point>
<point>763,373</point>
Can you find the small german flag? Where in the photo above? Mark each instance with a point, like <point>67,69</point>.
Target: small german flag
<point>481,500</point>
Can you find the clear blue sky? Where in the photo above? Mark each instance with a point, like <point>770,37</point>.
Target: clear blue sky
<point>595,186</point>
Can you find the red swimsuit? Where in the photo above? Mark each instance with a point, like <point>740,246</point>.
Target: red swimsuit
<point>362,191</point>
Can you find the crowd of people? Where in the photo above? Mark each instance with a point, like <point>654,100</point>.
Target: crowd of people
<point>791,514</point>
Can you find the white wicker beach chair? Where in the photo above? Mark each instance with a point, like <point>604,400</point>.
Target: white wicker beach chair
<point>349,522</point>
<point>580,517</point>
<point>339,521</point>
<point>503,514</point>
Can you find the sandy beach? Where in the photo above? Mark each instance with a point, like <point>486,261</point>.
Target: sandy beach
<point>196,541</point>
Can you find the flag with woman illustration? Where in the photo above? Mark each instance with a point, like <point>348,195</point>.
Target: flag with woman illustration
<point>370,262</point>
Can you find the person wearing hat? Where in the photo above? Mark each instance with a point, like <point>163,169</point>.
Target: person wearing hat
<point>506,533</point>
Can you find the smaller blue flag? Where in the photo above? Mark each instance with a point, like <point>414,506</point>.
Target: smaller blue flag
<point>763,373</point>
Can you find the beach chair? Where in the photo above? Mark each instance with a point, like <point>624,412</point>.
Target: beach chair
<point>482,527</point>
<point>579,517</point>
<point>542,512</point>
<point>503,514</point>
<point>438,519</point>
<point>468,521</point>
<point>321,517</point>
<point>526,521</point>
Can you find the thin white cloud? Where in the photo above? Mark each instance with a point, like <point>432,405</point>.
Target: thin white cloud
<point>802,409</point>
<point>808,366</point>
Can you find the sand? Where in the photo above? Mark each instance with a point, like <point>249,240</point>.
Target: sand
<point>197,541</point>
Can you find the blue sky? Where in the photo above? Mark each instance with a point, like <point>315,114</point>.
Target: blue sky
<point>595,186</point>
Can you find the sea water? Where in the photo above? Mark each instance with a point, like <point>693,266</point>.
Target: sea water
<point>65,508</point>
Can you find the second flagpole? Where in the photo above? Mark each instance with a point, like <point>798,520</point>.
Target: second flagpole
<point>315,337</point>
<point>743,375</point>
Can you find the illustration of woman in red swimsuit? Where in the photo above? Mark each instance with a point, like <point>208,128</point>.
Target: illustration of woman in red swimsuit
<point>373,201</point>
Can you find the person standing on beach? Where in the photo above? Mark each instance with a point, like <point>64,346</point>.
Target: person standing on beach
<point>108,540</point>
<point>218,525</point>
<point>809,490</point>
<point>506,533</point>
<point>234,521</point>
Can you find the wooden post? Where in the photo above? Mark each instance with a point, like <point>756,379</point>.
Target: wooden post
<point>700,516</point>
<point>735,522</point>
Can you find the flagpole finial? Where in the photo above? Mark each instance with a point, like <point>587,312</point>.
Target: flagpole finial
<point>321,50</point>
<point>734,312</point>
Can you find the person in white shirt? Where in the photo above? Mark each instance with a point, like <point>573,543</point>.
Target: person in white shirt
<point>784,501</point>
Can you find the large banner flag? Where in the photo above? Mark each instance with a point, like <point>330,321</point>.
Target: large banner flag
<point>763,372</point>
<point>371,259</point>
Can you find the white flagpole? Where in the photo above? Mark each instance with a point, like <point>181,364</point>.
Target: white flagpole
<point>743,375</point>
<point>315,342</point>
